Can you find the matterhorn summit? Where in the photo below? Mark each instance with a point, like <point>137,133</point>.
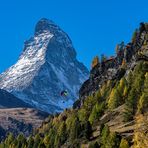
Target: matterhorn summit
<point>47,66</point>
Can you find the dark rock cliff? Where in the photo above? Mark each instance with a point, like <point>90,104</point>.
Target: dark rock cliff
<point>114,67</point>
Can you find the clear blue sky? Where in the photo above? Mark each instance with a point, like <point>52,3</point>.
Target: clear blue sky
<point>95,26</point>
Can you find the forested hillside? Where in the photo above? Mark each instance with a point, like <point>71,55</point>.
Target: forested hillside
<point>112,111</point>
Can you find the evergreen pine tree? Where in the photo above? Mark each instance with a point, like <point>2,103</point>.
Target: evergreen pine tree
<point>95,61</point>
<point>104,134</point>
<point>30,142</point>
<point>75,129</point>
<point>62,132</point>
<point>21,141</point>
<point>124,143</point>
<point>143,101</point>
<point>9,139</point>
<point>114,99</point>
<point>37,140</point>
<point>87,130</point>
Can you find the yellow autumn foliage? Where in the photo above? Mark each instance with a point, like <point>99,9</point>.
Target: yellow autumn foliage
<point>140,137</point>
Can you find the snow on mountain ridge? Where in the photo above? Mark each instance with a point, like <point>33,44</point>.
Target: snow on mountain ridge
<point>27,62</point>
<point>47,65</point>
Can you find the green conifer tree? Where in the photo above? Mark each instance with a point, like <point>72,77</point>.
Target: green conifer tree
<point>124,143</point>
<point>30,142</point>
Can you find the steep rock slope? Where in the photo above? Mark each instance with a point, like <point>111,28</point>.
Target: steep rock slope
<point>47,66</point>
<point>8,100</point>
<point>114,68</point>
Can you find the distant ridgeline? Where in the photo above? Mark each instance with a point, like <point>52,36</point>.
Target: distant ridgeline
<point>115,67</point>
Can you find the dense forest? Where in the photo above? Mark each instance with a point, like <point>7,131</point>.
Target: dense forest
<point>93,121</point>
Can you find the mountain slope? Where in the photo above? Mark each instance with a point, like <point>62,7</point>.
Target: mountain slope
<point>20,120</point>
<point>8,100</point>
<point>95,124</point>
<point>115,67</point>
<point>47,66</point>
<point>113,106</point>
<point>17,116</point>
<point>112,111</point>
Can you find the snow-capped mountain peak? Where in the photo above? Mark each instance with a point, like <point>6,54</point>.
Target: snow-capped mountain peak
<point>46,66</point>
<point>45,25</point>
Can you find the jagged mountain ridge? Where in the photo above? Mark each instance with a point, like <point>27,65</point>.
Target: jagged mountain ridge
<point>46,66</point>
<point>111,69</point>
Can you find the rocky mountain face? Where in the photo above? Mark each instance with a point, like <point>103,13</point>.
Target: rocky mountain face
<point>8,100</point>
<point>47,66</point>
<point>115,68</point>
